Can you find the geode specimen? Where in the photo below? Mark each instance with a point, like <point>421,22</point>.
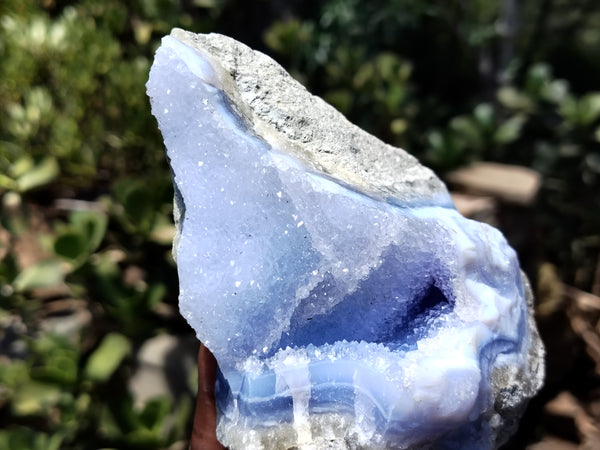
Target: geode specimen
<point>346,301</point>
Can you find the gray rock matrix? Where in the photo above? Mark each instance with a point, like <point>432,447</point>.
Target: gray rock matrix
<point>284,113</point>
<point>281,111</point>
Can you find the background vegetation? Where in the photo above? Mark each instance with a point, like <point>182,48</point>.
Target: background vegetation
<point>85,218</point>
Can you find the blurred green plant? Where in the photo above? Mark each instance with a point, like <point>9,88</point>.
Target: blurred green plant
<point>59,379</point>
<point>544,125</point>
<point>54,383</point>
<point>85,217</point>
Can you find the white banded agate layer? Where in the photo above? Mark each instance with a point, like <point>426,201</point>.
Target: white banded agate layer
<point>346,301</point>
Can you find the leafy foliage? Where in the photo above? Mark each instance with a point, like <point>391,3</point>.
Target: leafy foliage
<point>86,203</point>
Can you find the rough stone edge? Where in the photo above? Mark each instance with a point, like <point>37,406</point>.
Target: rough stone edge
<point>287,116</point>
<point>512,390</point>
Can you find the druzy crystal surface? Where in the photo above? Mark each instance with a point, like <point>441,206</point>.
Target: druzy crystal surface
<point>347,302</point>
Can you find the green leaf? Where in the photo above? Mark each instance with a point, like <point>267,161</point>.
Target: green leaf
<point>466,131</point>
<point>34,398</point>
<point>18,439</point>
<point>510,130</point>
<point>484,115</point>
<point>364,75</point>
<point>398,126</point>
<point>589,108</point>
<point>7,182</point>
<point>28,439</point>
<point>341,99</point>
<point>70,245</point>
<point>143,438</point>
<point>108,424</point>
<point>436,140</point>
<point>556,92</point>
<point>154,294</point>
<point>13,373</point>
<point>53,442</point>
<point>107,357</point>
<point>182,414</point>
<point>93,225</point>
<point>288,37</point>
<point>569,109</point>
<point>206,3</point>
<point>59,364</point>
<point>163,234</point>
<point>592,161</point>
<point>22,165</point>
<point>538,76</point>
<point>136,199</point>
<point>42,274</point>
<point>513,99</point>
<point>39,175</point>
<point>82,237</point>
<point>154,413</point>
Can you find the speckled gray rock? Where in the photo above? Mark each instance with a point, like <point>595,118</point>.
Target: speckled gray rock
<point>284,113</point>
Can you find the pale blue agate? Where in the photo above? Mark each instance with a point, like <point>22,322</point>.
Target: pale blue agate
<point>384,318</point>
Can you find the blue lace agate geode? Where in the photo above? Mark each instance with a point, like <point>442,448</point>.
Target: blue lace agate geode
<point>347,302</point>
